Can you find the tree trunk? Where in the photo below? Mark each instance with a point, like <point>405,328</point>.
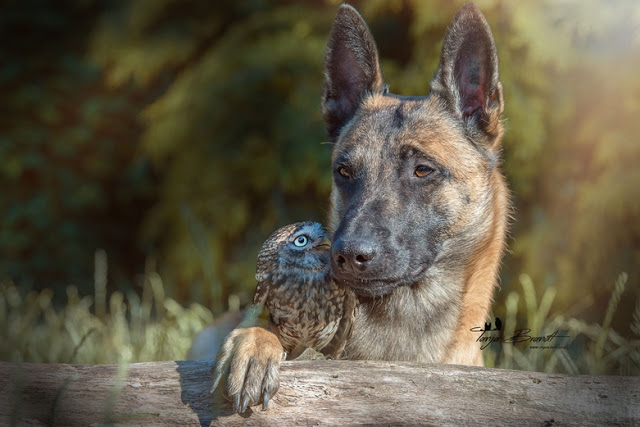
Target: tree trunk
<point>313,393</point>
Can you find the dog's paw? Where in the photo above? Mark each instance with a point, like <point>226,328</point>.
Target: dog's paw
<point>249,361</point>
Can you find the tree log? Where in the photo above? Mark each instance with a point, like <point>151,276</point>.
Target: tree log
<point>314,393</point>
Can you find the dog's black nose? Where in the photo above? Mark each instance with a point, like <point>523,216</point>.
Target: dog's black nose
<point>353,255</point>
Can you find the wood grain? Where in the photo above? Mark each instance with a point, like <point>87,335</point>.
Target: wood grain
<point>314,393</point>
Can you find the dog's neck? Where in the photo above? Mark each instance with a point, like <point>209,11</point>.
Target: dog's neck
<point>413,323</point>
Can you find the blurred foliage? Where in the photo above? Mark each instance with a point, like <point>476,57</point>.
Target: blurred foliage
<point>71,181</point>
<point>584,348</point>
<point>185,132</point>
<point>136,328</point>
<point>154,327</point>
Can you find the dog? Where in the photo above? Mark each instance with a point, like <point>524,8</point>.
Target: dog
<point>419,207</point>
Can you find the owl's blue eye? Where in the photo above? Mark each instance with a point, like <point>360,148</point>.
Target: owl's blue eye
<point>300,241</point>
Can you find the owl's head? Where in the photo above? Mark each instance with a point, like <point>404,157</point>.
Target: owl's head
<point>294,250</point>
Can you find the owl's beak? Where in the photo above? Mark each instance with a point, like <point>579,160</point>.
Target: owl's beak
<point>323,245</point>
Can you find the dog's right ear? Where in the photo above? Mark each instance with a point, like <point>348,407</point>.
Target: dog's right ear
<point>467,78</point>
<point>352,70</point>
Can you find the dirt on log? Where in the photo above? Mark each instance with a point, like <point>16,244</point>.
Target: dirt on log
<point>314,393</point>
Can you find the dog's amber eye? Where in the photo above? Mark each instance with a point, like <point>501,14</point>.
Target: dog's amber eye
<point>344,172</point>
<point>422,171</point>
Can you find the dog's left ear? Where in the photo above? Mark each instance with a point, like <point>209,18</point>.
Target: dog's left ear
<point>351,69</point>
<point>467,77</point>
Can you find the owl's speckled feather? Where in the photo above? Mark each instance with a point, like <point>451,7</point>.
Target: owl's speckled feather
<point>308,308</point>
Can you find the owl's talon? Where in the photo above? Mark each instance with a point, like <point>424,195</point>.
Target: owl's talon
<point>265,401</point>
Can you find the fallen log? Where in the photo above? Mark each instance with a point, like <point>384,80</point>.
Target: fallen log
<point>314,393</point>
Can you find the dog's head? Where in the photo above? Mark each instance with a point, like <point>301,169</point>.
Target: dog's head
<point>411,175</point>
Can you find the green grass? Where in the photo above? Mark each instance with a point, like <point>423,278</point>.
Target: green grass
<point>592,348</point>
<point>92,329</point>
<point>150,327</point>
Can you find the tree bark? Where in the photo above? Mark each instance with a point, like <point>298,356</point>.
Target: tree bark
<point>314,393</point>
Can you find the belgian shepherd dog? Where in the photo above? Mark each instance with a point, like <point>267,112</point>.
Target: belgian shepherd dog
<point>419,206</point>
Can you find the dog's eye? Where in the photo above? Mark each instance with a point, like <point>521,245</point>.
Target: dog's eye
<point>344,172</point>
<point>422,171</point>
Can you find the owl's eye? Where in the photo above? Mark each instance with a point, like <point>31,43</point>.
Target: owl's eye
<point>300,241</point>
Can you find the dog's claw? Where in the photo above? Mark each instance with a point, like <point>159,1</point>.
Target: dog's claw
<point>216,380</point>
<point>245,403</point>
<point>236,403</point>
<point>265,400</point>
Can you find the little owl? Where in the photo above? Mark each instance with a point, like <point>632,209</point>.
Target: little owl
<point>309,309</point>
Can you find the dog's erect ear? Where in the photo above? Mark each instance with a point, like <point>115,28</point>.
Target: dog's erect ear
<point>352,70</point>
<point>467,77</point>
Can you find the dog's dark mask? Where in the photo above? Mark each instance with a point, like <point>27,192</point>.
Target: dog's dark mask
<point>390,228</point>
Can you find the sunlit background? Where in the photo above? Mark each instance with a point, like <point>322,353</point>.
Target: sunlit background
<point>147,149</point>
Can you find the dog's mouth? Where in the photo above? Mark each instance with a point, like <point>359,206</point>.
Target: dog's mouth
<point>379,286</point>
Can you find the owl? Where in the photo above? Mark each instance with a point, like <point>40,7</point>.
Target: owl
<point>307,307</point>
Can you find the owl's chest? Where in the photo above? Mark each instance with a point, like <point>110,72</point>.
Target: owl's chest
<point>306,314</point>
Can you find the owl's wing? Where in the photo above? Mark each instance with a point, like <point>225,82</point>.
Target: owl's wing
<point>262,292</point>
<point>350,311</point>
<point>335,348</point>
